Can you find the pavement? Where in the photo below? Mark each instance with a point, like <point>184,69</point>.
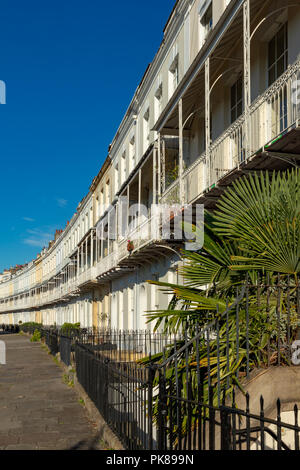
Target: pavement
<point>38,411</point>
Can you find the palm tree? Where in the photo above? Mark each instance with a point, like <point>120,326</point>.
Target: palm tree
<point>254,233</point>
<point>256,230</point>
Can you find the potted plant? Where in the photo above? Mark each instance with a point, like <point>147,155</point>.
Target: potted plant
<point>130,246</point>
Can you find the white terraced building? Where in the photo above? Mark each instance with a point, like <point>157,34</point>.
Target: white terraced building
<point>220,100</point>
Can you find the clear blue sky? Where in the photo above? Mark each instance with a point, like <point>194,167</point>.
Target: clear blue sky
<point>70,68</point>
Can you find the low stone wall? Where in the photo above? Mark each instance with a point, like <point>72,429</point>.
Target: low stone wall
<point>272,383</point>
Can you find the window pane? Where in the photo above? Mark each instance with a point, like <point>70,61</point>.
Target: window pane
<point>272,75</point>
<point>272,52</point>
<point>208,18</point>
<point>280,66</point>
<point>233,95</point>
<point>239,89</point>
<point>280,41</point>
<point>233,115</point>
<point>239,109</point>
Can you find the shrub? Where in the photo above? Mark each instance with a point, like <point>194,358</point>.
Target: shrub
<point>36,337</point>
<point>24,326</point>
<point>70,328</point>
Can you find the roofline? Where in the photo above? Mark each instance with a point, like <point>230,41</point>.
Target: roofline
<point>145,75</point>
<point>102,171</point>
<point>171,14</point>
<point>224,22</point>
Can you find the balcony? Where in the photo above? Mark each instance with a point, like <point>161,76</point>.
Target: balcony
<point>87,278</point>
<point>274,141</point>
<point>140,236</point>
<point>106,265</point>
<point>147,245</point>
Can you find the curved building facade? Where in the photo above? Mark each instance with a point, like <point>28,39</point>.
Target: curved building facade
<point>221,99</point>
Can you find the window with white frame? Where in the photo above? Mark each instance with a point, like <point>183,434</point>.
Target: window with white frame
<point>146,129</point>
<point>123,167</point>
<point>132,153</point>
<point>91,217</point>
<point>278,54</point>
<point>173,76</point>
<point>158,102</point>
<point>107,192</point>
<point>277,65</point>
<point>206,20</point>
<point>117,177</point>
<point>236,99</point>
<point>97,208</point>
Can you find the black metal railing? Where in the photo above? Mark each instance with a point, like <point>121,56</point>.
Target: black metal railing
<point>121,391</point>
<point>196,425</point>
<point>125,345</point>
<point>31,327</point>
<point>57,340</point>
<point>65,349</point>
<point>180,397</point>
<point>9,329</point>
<point>178,392</point>
<point>52,342</point>
<point>197,378</point>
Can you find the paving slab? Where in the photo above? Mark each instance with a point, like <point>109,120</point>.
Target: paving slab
<point>37,410</point>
